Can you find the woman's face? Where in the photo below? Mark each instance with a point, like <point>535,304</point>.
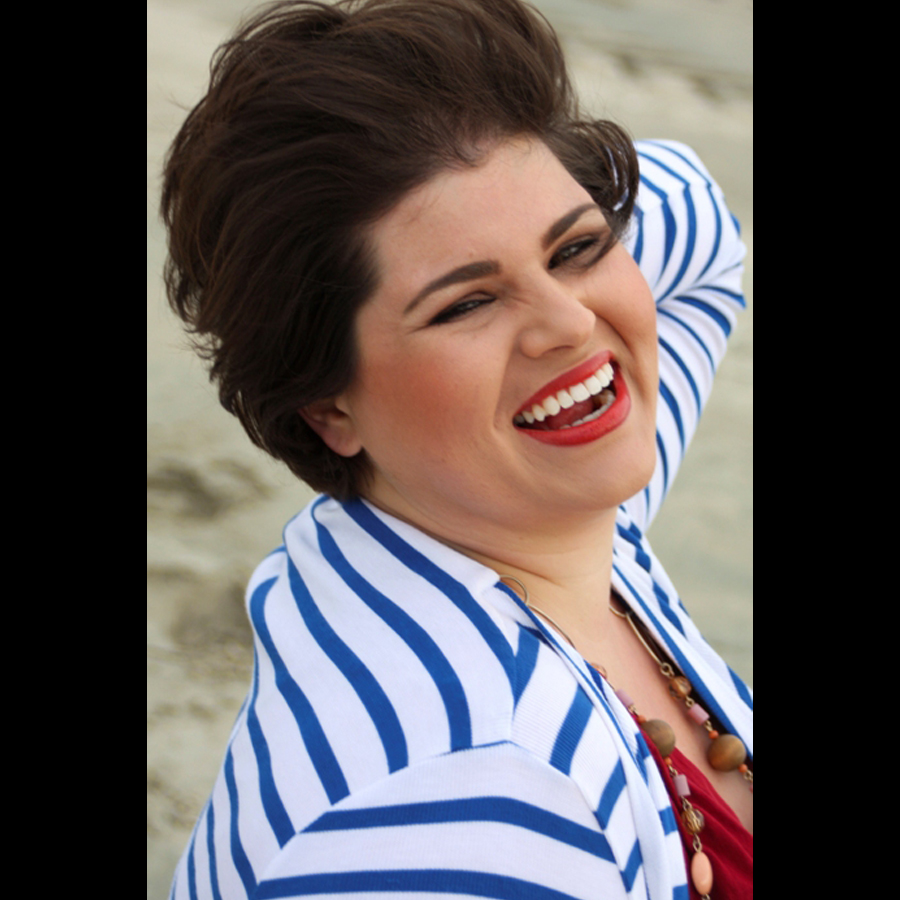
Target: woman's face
<point>500,286</point>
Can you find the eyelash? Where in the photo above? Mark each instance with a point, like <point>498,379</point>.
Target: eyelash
<point>571,255</point>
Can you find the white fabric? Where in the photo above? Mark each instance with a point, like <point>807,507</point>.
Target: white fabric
<point>413,729</point>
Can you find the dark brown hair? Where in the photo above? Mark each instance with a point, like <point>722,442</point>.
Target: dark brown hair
<point>318,119</point>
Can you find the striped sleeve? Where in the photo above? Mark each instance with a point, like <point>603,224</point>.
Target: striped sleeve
<point>688,247</point>
<point>489,822</point>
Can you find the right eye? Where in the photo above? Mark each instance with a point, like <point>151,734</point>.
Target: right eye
<point>458,310</point>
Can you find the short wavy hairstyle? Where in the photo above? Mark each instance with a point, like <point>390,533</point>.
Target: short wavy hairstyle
<point>318,119</point>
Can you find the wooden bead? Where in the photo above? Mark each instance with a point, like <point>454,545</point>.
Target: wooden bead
<point>679,687</point>
<point>701,873</point>
<point>661,734</point>
<point>726,752</point>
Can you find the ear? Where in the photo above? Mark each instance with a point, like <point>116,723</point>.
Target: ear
<point>331,421</point>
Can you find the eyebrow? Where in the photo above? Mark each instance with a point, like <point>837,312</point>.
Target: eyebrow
<point>491,267</point>
<point>559,228</point>
<point>463,273</point>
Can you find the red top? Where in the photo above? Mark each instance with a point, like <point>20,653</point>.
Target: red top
<point>726,842</point>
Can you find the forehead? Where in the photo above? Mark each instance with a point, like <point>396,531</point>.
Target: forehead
<point>517,190</point>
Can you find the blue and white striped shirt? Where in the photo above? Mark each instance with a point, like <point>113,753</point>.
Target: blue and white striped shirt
<point>412,729</point>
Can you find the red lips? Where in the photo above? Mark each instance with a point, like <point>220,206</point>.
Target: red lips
<point>579,373</point>
<point>589,431</point>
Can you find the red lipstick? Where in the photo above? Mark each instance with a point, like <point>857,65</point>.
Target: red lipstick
<point>573,376</point>
<point>614,415</point>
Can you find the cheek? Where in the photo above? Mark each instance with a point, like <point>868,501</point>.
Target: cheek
<point>635,310</point>
<point>409,400</point>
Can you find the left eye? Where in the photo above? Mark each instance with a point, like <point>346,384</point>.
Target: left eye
<point>574,252</point>
<point>460,309</point>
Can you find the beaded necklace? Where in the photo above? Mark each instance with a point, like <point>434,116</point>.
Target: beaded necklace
<point>725,753</point>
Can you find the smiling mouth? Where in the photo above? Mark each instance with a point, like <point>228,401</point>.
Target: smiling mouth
<point>578,404</point>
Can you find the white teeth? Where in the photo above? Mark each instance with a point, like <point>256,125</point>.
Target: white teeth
<point>579,392</point>
<point>607,403</point>
<point>551,404</point>
<point>576,393</point>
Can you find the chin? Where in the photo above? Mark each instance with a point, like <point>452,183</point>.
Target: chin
<point>623,481</point>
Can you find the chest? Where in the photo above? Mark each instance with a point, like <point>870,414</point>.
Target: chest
<point>654,701</point>
<point>630,667</point>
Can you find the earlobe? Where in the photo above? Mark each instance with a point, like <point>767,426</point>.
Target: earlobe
<point>333,424</point>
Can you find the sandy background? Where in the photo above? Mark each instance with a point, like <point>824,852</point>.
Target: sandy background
<point>677,69</point>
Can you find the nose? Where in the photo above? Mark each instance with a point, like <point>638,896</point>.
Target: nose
<point>556,317</point>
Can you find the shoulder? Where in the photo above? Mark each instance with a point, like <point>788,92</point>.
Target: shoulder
<point>463,823</point>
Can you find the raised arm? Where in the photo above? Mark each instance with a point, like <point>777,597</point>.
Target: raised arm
<point>688,246</point>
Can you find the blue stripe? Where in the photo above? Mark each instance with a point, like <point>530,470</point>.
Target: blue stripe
<point>440,579</point>
<point>666,603</point>
<point>611,792</point>
<point>317,745</point>
<point>238,855</point>
<point>274,808</point>
<point>672,151</point>
<point>700,342</point>
<point>526,659</point>
<point>415,636</point>
<point>688,377</point>
<point>741,688</point>
<point>594,680</point>
<point>690,239</point>
<point>474,809</point>
<point>668,220</point>
<point>646,495</point>
<point>191,866</point>
<point>669,822</point>
<point>633,866</point>
<point>663,462</point>
<point>367,688</point>
<point>571,732</point>
<point>710,310</point>
<point>717,240</point>
<point>395,881</point>
<point>632,533</point>
<point>191,874</point>
<point>672,403</point>
<point>717,237</point>
<point>738,298</point>
<point>211,852</point>
<point>666,608</point>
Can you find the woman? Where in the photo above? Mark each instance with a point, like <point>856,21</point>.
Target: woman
<point>450,306</point>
